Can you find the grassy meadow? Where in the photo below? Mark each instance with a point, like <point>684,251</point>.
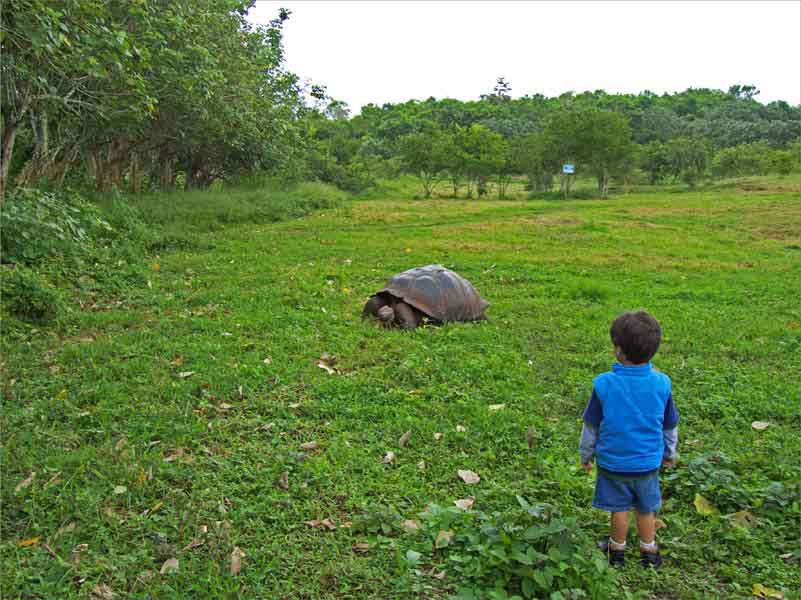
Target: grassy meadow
<point>164,419</point>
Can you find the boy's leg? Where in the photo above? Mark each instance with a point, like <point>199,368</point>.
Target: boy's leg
<point>619,530</point>
<point>646,527</point>
<point>649,551</point>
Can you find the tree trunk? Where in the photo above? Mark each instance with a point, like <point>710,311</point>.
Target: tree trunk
<point>9,135</point>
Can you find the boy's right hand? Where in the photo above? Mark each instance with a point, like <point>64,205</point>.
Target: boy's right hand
<point>587,467</point>
<point>669,462</point>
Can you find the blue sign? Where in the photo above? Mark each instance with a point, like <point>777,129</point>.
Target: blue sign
<point>568,169</point>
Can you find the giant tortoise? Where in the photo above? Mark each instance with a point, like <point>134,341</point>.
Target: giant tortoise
<point>432,292</point>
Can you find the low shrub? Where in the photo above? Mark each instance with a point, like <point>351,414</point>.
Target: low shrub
<point>528,551</point>
<point>26,295</point>
<point>38,224</point>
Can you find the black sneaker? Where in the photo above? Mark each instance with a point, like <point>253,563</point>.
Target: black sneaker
<point>617,558</point>
<point>651,559</point>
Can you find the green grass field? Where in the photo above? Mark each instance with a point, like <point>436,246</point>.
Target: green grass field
<point>159,421</point>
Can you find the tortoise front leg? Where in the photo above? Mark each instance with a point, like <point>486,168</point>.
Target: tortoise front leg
<point>406,316</point>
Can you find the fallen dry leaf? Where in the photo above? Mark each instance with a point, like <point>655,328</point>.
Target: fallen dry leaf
<point>268,361</point>
<point>195,543</point>
<point>443,539</point>
<point>236,561</point>
<point>103,592</point>
<point>744,519</point>
<point>283,480</point>
<point>761,591</point>
<point>309,446</point>
<point>438,436</point>
<point>294,405</point>
<point>361,547</point>
<point>326,368</point>
<point>326,362</point>
<point>659,524</point>
<point>440,575</point>
<point>404,439</point>
<point>120,489</point>
<point>185,374</point>
<point>176,454</point>
<point>531,438</point>
<point>760,425</point>
<point>325,524</point>
<point>389,458</point>
<point>496,407</point>
<point>225,406</point>
<point>29,542</point>
<point>704,506</point>
<point>460,428</point>
<point>465,503</point>
<point>25,482</point>
<point>422,465</point>
<point>468,477</point>
<point>120,443</point>
<point>170,566</point>
<point>62,530</point>
<point>410,525</point>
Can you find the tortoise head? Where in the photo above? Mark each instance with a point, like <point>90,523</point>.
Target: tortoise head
<point>386,314</point>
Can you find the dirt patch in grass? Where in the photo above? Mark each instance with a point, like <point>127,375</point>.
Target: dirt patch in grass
<point>768,187</point>
<point>777,232</point>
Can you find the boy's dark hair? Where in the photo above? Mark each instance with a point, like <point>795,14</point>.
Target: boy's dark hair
<point>638,334</point>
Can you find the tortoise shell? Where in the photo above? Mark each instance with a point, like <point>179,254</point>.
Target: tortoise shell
<point>439,293</point>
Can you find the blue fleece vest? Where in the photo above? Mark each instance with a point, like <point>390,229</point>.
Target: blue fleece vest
<point>630,435</point>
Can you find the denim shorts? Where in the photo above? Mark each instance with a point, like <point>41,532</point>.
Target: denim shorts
<point>616,494</point>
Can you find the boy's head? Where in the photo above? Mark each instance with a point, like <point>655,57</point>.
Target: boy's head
<point>637,334</point>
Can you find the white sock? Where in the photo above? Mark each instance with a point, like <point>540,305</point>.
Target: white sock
<point>648,547</point>
<point>620,545</point>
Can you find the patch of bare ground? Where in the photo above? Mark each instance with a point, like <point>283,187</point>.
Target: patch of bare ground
<point>768,187</point>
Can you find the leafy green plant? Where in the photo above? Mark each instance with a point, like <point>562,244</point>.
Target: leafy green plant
<point>528,551</point>
<point>27,295</point>
<point>38,224</point>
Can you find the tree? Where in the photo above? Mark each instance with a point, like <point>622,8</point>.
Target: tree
<point>530,157</point>
<point>426,155</point>
<point>655,160</point>
<point>599,140</point>
<point>483,151</point>
<point>500,92</point>
<point>133,92</point>
<point>688,158</point>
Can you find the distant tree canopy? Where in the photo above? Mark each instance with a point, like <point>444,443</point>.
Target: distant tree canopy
<point>670,137</point>
<point>157,94</point>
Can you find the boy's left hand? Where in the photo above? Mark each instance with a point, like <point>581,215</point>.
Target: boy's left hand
<point>587,467</point>
<point>669,462</point>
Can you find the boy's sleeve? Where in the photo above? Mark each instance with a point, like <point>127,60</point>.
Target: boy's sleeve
<point>594,412</point>
<point>589,439</point>
<point>593,415</point>
<point>671,437</point>
<point>671,418</point>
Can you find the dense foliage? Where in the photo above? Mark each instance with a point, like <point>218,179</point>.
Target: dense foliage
<point>607,136</point>
<point>142,93</point>
<point>150,94</point>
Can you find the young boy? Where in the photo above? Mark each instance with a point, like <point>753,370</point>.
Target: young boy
<point>631,427</point>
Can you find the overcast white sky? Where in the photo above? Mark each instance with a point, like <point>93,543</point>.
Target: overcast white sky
<point>384,51</point>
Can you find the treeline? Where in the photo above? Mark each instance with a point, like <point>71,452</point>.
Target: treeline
<point>164,94</point>
<point>673,137</point>
<point>143,94</point>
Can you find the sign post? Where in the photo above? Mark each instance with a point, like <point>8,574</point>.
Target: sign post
<point>568,169</point>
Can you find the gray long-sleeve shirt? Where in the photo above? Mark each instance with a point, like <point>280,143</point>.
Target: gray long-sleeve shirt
<point>589,439</point>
